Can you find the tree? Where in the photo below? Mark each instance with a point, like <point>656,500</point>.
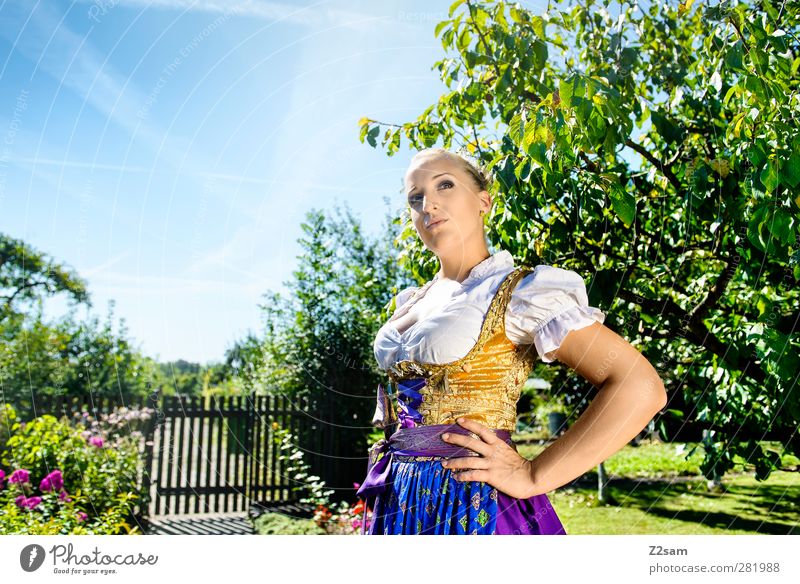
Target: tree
<point>318,340</point>
<point>27,276</point>
<point>67,356</point>
<point>71,357</point>
<point>657,148</point>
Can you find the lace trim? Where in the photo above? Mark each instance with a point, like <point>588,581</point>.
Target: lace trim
<point>549,337</point>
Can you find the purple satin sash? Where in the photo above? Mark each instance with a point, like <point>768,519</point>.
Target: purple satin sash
<point>534,515</point>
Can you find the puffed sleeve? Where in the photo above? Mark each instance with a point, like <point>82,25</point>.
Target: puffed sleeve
<point>545,305</point>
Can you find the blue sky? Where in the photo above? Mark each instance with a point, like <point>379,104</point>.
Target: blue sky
<point>169,150</point>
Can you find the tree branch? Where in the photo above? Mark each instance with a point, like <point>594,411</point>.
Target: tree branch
<point>663,168</point>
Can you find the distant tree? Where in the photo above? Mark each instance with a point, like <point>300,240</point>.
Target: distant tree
<point>244,359</point>
<point>27,276</point>
<point>65,356</point>
<point>70,357</point>
<point>318,339</point>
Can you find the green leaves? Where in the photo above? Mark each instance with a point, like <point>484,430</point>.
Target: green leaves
<point>790,173</point>
<point>682,122</point>
<point>666,128</point>
<point>454,6</point>
<point>623,203</point>
<point>771,229</point>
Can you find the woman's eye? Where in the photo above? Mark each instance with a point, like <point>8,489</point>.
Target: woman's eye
<point>414,200</point>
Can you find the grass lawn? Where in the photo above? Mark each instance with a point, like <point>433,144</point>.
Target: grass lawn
<point>655,489</point>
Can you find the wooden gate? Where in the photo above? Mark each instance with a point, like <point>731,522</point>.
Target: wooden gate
<point>217,455</point>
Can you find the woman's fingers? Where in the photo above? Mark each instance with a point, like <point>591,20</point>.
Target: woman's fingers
<point>482,438</point>
<point>485,433</point>
<point>475,444</point>
<point>472,475</point>
<point>466,462</point>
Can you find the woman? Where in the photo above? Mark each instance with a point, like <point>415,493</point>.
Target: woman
<point>457,352</point>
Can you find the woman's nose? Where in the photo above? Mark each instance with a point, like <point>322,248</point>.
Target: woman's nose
<point>429,204</point>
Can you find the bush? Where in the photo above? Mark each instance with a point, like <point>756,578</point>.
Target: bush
<point>87,475</point>
<point>341,519</point>
<point>277,524</point>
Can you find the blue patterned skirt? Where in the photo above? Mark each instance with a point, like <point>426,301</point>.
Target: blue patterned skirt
<point>423,498</point>
<point>414,494</point>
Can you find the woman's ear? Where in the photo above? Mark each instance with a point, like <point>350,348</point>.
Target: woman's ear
<point>486,201</point>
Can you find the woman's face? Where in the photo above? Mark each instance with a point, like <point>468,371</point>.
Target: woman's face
<point>445,204</point>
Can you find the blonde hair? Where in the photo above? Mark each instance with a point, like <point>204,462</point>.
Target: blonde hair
<point>482,179</point>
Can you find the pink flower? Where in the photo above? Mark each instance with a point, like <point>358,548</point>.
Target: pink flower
<point>2,477</point>
<point>52,482</point>
<point>19,476</point>
<point>29,502</point>
<point>96,441</point>
<point>82,516</point>
<point>64,496</point>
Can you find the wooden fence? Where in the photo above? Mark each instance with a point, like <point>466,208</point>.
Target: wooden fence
<point>218,454</point>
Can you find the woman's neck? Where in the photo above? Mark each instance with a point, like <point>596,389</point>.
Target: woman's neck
<point>459,267</point>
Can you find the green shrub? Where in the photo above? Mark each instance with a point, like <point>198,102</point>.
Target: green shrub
<point>95,468</point>
<point>55,517</point>
<point>277,524</point>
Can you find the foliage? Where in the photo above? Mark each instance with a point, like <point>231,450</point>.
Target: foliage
<point>97,462</point>
<point>317,342</point>
<point>243,360</point>
<point>295,467</point>
<point>658,148</point>
<point>184,377</point>
<point>55,517</point>
<point>27,276</point>
<point>71,357</point>
<point>332,518</point>
<point>550,405</point>
<point>277,524</point>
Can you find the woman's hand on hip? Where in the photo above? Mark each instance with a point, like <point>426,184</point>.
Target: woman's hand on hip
<point>498,465</point>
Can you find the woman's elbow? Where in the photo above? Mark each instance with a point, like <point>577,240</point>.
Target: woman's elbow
<point>656,393</point>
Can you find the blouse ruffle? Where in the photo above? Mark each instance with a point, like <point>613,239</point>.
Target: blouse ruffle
<point>546,305</point>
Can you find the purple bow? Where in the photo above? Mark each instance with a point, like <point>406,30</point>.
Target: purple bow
<point>378,471</point>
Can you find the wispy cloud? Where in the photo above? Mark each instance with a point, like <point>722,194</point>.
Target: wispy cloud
<point>316,15</point>
<point>214,176</point>
<point>42,35</point>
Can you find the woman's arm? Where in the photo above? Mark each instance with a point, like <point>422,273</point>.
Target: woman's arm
<point>630,394</point>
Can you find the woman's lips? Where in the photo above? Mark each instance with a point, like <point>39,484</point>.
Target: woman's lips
<point>436,223</point>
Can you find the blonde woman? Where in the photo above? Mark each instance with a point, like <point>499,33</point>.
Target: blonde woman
<point>458,350</point>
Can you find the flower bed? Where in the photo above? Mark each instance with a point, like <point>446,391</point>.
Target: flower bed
<point>71,477</point>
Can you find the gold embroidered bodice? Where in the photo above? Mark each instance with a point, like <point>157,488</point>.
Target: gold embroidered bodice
<point>485,384</point>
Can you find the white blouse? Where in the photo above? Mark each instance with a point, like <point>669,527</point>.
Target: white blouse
<point>544,306</point>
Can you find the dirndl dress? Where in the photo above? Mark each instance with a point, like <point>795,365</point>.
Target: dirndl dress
<point>407,489</point>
